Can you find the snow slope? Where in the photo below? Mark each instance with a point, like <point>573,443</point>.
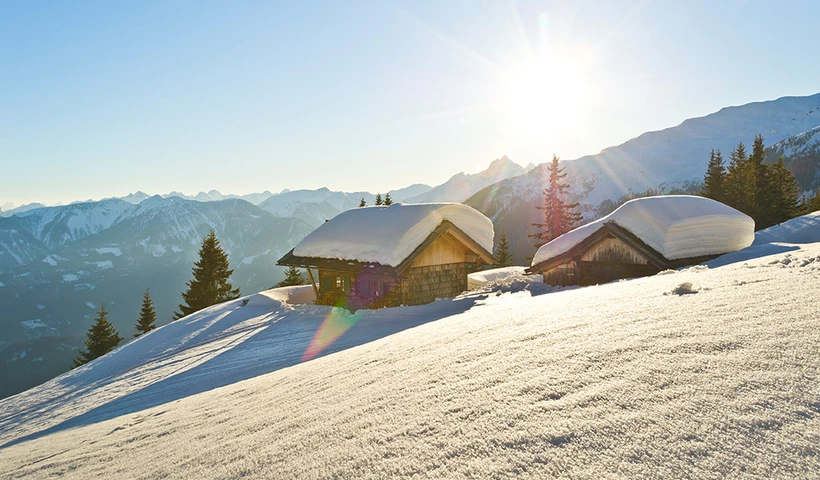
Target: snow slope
<point>388,235</point>
<point>677,226</point>
<point>706,372</point>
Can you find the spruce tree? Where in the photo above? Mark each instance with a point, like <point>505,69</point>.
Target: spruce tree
<point>100,339</point>
<point>559,216</point>
<point>737,195</point>
<point>148,316</point>
<point>378,199</point>
<point>503,257</point>
<point>713,181</point>
<point>387,200</point>
<point>780,196</point>
<point>210,284</point>
<point>292,277</point>
<point>362,203</point>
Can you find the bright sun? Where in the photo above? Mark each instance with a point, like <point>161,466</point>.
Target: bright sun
<point>547,94</point>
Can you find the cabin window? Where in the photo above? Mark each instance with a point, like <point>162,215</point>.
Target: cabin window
<point>336,283</point>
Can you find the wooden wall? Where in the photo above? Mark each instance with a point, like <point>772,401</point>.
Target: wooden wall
<point>613,250</point>
<point>608,260</point>
<point>444,250</point>
<point>420,285</point>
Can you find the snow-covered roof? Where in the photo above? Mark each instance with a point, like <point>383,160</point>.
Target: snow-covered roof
<point>388,235</point>
<point>676,226</point>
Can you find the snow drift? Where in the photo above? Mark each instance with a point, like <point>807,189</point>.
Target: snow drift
<point>388,235</point>
<point>677,226</point>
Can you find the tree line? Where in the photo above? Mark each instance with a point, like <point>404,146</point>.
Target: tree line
<point>386,201</point>
<point>769,193</point>
<point>210,285</point>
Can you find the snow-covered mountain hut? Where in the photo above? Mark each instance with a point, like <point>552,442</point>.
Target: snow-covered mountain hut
<point>642,237</point>
<point>404,254</point>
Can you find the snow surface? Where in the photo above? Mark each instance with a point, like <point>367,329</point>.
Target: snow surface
<point>112,250</point>
<point>388,235</point>
<point>677,226</point>
<point>805,229</point>
<point>36,323</point>
<point>70,277</point>
<point>623,380</point>
<point>479,279</point>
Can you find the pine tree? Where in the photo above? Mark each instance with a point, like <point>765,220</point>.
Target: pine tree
<point>559,217</point>
<point>100,339</point>
<point>757,180</point>
<point>148,316</point>
<point>387,200</point>
<point>735,180</point>
<point>713,181</point>
<point>780,196</point>
<point>362,203</point>
<point>378,199</point>
<point>210,284</point>
<point>503,257</point>
<point>292,277</point>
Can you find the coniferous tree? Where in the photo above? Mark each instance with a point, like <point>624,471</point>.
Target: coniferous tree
<point>362,203</point>
<point>559,216</point>
<point>736,193</point>
<point>378,199</point>
<point>713,181</point>
<point>387,199</point>
<point>810,203</point>
<point>757,180</point>
<point>780,196</point>
<point>100,339</point>
<point>210,284</point>
<point>292,277</point>
<point>503,257</point>
<point>148,315</point>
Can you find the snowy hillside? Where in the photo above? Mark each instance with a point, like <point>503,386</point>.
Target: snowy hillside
<point>678,154</point>
<point>707,372</point>
<point>668,161</point>
<point>461,186</point>
<point>801,155</point>
<point>49,295</point>
<point>58,226</point>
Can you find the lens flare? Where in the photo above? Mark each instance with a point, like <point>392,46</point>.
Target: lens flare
<point>334,326</point>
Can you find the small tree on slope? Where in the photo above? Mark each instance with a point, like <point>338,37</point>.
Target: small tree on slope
<point>388,200</point>
<point>148,315</point>
<point>559,216</point>
<point>100,339</point>
<point>378,199</point>
<point>210,284</point>
<point>503,257</point>
<point>292,277</point>
<point>713,181</point>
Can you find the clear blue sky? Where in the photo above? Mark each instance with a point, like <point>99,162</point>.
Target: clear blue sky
<point>104,98</point>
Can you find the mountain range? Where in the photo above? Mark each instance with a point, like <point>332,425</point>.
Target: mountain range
<point>58,263</point>
<point>672,160</point>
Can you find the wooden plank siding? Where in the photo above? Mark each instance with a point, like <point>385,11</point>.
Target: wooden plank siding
<point>613,250</point>
<point>444,250</point>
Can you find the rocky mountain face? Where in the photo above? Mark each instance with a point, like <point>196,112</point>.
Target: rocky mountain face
<point>462,186</point>
<point>668,161</point>
<point>59,263</point>
<point>801,155</point>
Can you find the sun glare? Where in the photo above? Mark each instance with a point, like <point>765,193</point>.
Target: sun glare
<point>547,93</point>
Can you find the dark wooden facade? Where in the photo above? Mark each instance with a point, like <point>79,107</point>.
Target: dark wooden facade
<point>609,254</point>
<point>437,268</point>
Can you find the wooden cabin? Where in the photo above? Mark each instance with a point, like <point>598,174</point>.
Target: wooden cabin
<point>611,253</point>
<point>435,268</point>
